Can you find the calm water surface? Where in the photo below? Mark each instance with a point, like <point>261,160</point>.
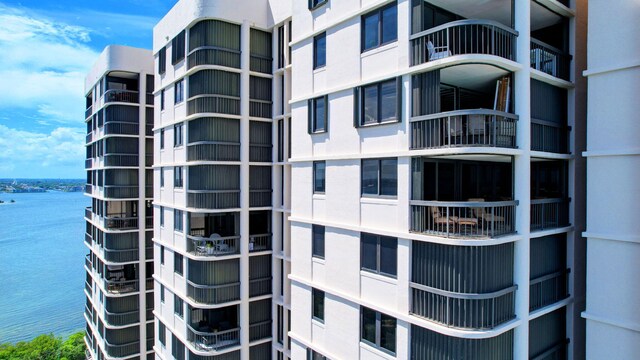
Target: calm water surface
<point>41,264</point>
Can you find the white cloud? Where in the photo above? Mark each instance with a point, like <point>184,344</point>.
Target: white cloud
<point>43,65</point>
<point>59,153</point>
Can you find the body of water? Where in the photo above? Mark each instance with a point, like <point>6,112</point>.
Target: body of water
<point>41,264</point>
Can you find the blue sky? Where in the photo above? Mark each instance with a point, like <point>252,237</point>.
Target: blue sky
<point>47,48</point>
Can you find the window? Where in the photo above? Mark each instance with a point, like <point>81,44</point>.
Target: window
<point>378,330</point>
<point>162,101</point>
<point>161,177</point>
<point>314,4</point>
<point>161,216</point>
<point>162,334</point>
<point>161,139</point>
<point>178,306</point>
<point>318,305</point>
<point>379,254</point>
<point>313,355</point>
<point>177,348</point>
<point>378,103</point>
<point>318,241</point>
<point>320,51</point>
<point>177,135</point>
<point>162,60</point>
<point>177,177</point>
<point>161,255</point>
<point>177,263</point>
<point>162,294</point>
<point>177,220</point>
<point>178,48</point>
<point>380,177</point>
<point>379,27</point>
<point>179,92</point>
<point>318,177</point>
<point>318,115</point>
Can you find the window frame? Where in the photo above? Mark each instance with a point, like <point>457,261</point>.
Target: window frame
<point>161,254</point>
<point>162,99</point>
<point>178,263</point>
<point>359,103</point>
<point>318,4</point>
<point>178,43</point>
<point>314,239</point>
<point>178,92</point>
<point>161,177</point>
<point>162,60</point>
<point>379,12</point>
<point>178,310</point>
<point>178,223</point>
<point>162,216</point>
<point>178,178</point>
<point>319,295</point>
<point>316,40</point>
<point>312,111</point>
<point>177,135</point>
<point>378,331</point>
<point>378,194</point>
<point>378,269</point>
<point>162,139</point>
<point>324,178</point>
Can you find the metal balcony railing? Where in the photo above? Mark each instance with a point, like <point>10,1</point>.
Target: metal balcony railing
<point>120,222</point>
<point>148,222</point>
<point>462,37</point>
<point>213,294</point>
<point>121,319</point>
<point>260,152</point>
<point>260,198</point>
<point>260,63</point>
<point>550,60</point>
<point>121,286</point>
<point>148,160</point>
<point>549,137</point>
<point>462,310</point>
<point>121,256</point>
<point>260,330</point>
<point>259,242</point>
<point>121,191</point>
<point>121,128</point>
<point>463,219</point>
<point>88,112</point>
<point>117,95</point>
<point>87,261</point>
<point>88,213</point>
<point>121,160</point>
<point>217,246</point>
<point>478,127</point>
<point>87,238</point>
<point>210,341</point>
<point>213,151</point>
<point>122,350</point>
<point>549,213</point>
<point>557,351</point>
<point>213,55</point>
<point>260,286</point>
<point>149,99</point>
<point>149,284</point>
<point>89,137</point>
<point>213,199</point>
<point>88,188</point>
<point>88,163</point>
<point>548,289</point>
<point>217,104</point>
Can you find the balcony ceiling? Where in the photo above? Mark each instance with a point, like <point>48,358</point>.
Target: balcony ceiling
<point>497,10</point>
<point>477,77</point>
<point>478,157</point>
<point>123,74</point>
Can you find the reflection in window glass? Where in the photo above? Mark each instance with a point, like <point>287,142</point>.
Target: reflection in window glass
<point>389,24</point>
<point>388,101</point>
<point>370,35</point>
<point>389,177</point>
<point>370,177</point>
<point>370,104</point>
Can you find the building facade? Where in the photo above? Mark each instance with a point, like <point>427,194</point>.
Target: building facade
<point>613,156</point>
<point>119,222</point>
<point>435,180</point>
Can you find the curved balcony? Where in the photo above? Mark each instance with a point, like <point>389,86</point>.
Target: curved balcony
<point>468,219</point>
<point>549,213</point>
<point>117,95</point>
<point>121,223</point>
<point>121,128</point>
<point>464,37</point>
<point>217,104</point>
<point>121,256</point>
<point>214,245</point>
<point>121,160</point>
<point>213,151</point>
<point>122,350</point>
<point>213,199</point>
<point>213,294</point>
<point>121,286</point>
<point>213,340</point>
<point>464,128</point>
<point>122,319</point>
<point>463,310</point>
<point>121,191</point>
<point>88,112</point>
<point>548,289</point>
<point>213,55</point>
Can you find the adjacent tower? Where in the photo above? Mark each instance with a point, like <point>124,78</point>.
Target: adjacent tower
<point>119,265</point>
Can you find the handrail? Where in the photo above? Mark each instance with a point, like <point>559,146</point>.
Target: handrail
<point>554,275</point>
<point>464,112</point>
<point>468,296</point>
<point>552,350</point>
<point>217,286</point>
<point>205,142</point>
<point>463,22</point>
<point>214,48</point>
<point>550,200</point>
<point>464,203</point>
<point>544,44</point>
<point>213,191</point>
<point>213,95</point>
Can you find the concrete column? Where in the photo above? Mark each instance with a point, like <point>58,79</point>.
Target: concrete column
<point>142,210</point>
<point>522,176</point>
<point>244,189</point>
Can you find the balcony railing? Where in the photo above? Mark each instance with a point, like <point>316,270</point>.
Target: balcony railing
<point>89,137</point>
<point>88,163</point>
<point>121,128</point>
<point>213,341</point>
<point>462,310</point>
<point>213,151</point>
<point>213,55</point>
<point>260,330</point>
<point>463,219</point>
<point>213,199</point>
<point>217,104</point>
<point>88,312</point>
<point>121,160</point>
<point>88,213</point>
<point>260,108</point>
<point>463,37</point>
<point>149,99</point>
<point>150,343</point>
<point>260,152</point>
<point>548,289</point>
<point>480,127</point>
<point>261,242</point>
<point>261,286</point>
<point>121,256</point>
<point>88,188</point>
<point>123,350</point>
<point>148,222</point>
<point>550,60</point>
<point>260,63</point>
<point>149,284</point>
<point>148,253</point>
<point>117,95</point>
<point>259,198</point>
<point>557,351</point>
<point>120,286</point>
<point>87,238</point>
<point>549,213</point>
<point>88,112</point>
<point>213,294</point>
<point>121,319</point>
<point>148,160</point>
<point>549,137</point>
<point>218,246</point>
<point>87,261</point>
<point>121,191</point>
<point>121,223</point>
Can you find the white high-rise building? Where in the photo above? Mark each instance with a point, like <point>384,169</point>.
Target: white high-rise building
<point>119,266</point>
<point>613,158</point>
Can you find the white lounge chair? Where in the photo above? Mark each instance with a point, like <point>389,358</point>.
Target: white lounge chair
<point>437,52</point>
